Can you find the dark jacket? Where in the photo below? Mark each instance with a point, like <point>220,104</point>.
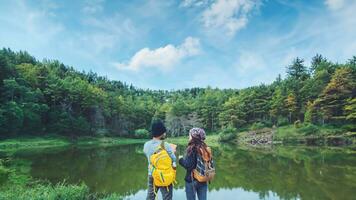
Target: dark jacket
<point>189,162</point>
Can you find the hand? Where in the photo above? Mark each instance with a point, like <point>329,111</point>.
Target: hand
<point>174,147</point>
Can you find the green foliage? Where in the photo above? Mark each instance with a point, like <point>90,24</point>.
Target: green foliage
<point>257,125</point>
<point>297,70</point>
<point>38,98</point>
<point>142,133</point>
<point>16,184</point>
<point>52,192</point>
<point>349,127</point>
<point>227,135</point>
<point>308,129</point>
<point>350,109</point>
<point>278,108</point>
<point>12,118</point>
<point>297,124</point>
<point>4,173</point>
<point>234,113</point>
<point>336,94</point>
<point>282,121</point>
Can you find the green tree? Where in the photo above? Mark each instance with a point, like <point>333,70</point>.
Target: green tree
<point>233,114</point>
<point>350,109</point>
<point>291,104</point>
<point>12,118</point>
<point>297,69</point>
<point>335,95</point>
<point>277,102</point>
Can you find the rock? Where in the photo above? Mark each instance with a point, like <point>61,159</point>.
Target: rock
<point>260,137</point>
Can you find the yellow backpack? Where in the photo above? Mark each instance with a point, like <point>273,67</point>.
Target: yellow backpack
<point>161,166</point>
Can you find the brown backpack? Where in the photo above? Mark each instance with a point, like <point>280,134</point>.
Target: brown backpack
<point>205,169</point>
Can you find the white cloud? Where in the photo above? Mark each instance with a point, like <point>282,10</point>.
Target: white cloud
<point>333,38</point>
<point>93,6</point>
<point>191,3</point>
<point>228,15</point>
<point>335,4</point>
<point>248,61</point>
<point>106,33</point>
<point>163,58</point>
<point>29,26</point>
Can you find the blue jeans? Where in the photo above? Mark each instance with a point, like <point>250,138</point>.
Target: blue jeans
<point>196,188</point>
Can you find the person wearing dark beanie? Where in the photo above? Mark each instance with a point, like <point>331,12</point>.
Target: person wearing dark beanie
<point>158,129</point>
<point>158,132</point>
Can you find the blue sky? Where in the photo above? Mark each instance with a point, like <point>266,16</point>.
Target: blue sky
<point>168,44</point>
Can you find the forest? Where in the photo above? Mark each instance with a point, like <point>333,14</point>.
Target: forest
<point>47,97</point>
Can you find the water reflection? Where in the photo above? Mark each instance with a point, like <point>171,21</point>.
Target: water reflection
<point>276,173</point>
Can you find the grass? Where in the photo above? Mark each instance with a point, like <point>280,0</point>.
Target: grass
<point>108,141</point>
<point>23,143</point>
<point>63,191</point>
<point>19,185</point>
<point>31,143</point>
<point>291,131</point>
<point>305,134</point>
<point>211,140</point>
<point>55,141</point>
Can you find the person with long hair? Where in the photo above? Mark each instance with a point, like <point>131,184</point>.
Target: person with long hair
<point>196,146</point>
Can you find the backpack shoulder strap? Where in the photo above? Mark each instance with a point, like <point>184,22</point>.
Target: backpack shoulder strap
<point>206,154</point>
<point>210,152</point>
<point>162,145</point>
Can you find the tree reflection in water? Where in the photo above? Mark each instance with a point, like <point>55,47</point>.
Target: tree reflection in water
<point>273,173</point>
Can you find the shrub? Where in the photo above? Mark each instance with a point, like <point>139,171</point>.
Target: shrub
<point>53,192</point>
<point>4,173</point>
<point>297,124</point>
<point>62,191</point>
<point>349,127</point>
<point>102,132</point>
<point>141,133</point>
<point>227,135</point>
<point>47,191</point>
<point>228,130</point>
<point>309,129</point>
<point>282,121</point>
<point>257,125</point>
<point>268,123</point>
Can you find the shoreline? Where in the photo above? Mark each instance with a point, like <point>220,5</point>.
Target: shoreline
<point>57,141</point>
<point>280,136</point>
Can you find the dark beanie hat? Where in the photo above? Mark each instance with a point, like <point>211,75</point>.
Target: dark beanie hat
<point>157,129</point>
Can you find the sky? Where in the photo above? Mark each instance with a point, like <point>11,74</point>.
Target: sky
<point>176,44</point>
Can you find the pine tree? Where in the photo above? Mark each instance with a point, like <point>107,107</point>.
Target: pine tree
<point>335,95</point>
<point>350,109</point>
<point>316,61</point>
<point>233,113</point>
<point>277,104</point>
<point>297,70</point>
<point>291,106</point>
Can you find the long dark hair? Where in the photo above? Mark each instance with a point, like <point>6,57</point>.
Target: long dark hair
<point>195,144</point>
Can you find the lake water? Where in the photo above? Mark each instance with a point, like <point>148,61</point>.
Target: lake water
<point>269,173</point>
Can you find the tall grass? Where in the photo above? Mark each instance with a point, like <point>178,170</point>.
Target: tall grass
<point>16,184</point>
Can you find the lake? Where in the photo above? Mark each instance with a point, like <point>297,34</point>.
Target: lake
<point>294,172</point>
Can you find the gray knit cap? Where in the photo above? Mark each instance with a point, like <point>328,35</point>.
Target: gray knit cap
<point>198,133</point>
